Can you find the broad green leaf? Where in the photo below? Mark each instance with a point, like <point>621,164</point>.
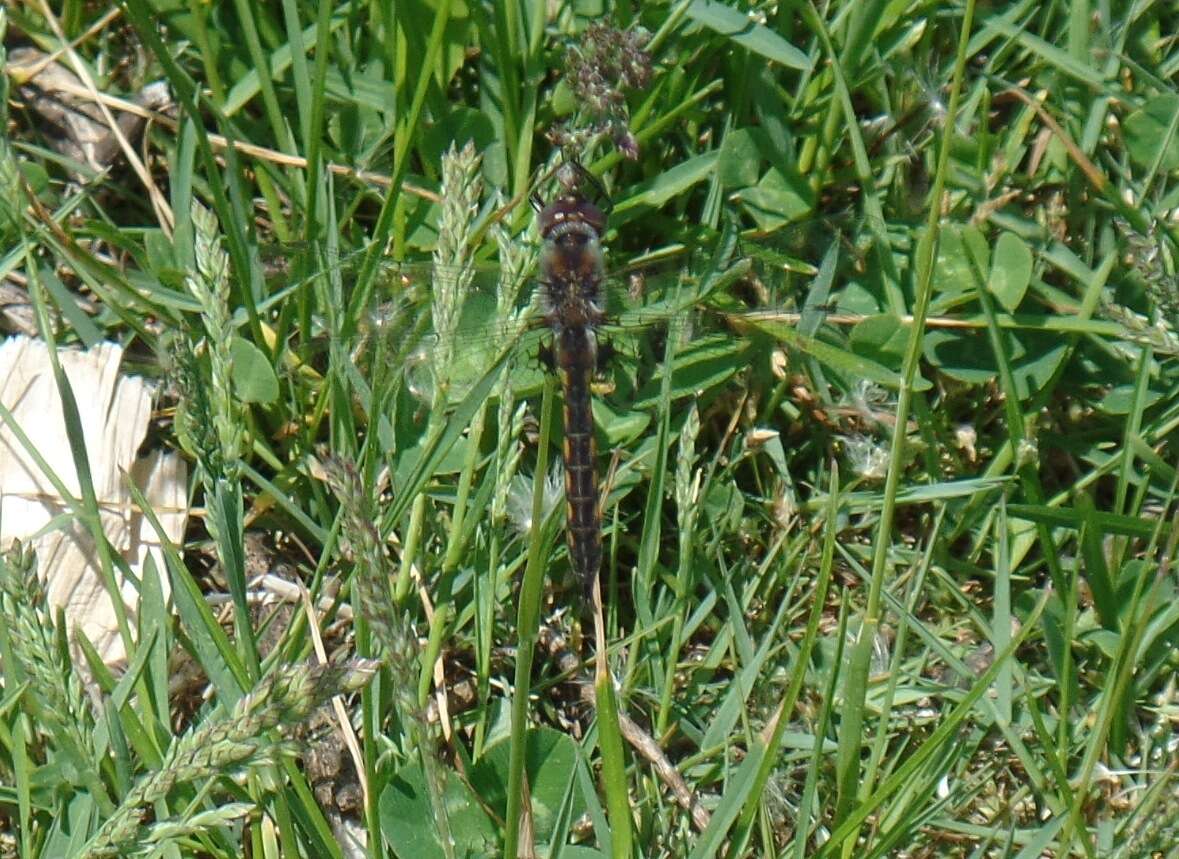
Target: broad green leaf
<point>1011,270</point>
<point>409,827</point>
<point>738,26</point>
<point>778,199</point>
<point>1147,129</point>
<point>459,126</point>
<point>952,278</point>
<point>1120,400</point>
<point>619,426</point>
<point>723,504</point>
<point>550,761</point>
<point>976,246</point>
<point>739,159</point>
<point>967,355</point>
<point>254,380</point>
<point>881,338</point>
<point>671,183</point>
<point>563,102</point>
<point>964,355</point>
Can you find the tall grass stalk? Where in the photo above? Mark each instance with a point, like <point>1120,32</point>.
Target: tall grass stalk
<point>527,620</point>
<point>856,684</point>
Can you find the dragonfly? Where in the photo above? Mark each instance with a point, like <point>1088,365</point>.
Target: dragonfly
<point>572,268</point>
<point>579,319</point>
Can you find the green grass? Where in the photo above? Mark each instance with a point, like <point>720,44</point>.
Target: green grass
<point>896,579</point>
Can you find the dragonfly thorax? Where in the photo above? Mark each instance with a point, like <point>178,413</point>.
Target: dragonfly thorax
<point>571,263</point>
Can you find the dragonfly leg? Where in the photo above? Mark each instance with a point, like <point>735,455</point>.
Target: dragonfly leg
<point>606,353</point>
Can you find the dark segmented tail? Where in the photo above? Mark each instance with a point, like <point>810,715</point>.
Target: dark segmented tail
<point>583,528</point>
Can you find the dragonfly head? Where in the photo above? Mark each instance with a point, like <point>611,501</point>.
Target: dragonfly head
<point>570,216</point>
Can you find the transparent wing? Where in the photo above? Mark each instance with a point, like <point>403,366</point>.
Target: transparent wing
<point>449,324</point>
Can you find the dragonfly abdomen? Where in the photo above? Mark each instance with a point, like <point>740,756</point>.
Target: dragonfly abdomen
<point>571,279</point>
<point>576,360</point>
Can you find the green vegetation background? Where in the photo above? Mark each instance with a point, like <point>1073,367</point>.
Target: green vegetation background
<point>891,575</point>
